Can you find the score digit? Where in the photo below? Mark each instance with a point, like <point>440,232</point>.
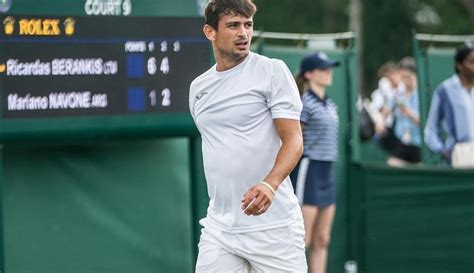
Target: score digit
<point>151,66</point>
<point>176,46</point>
<point>151,46</point>
<point>165,66</point>
<point>164,46</point>
<point>166,94</point>
<point>152,97</point>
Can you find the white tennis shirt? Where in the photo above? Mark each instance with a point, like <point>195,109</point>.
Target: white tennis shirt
<point>234,111</point>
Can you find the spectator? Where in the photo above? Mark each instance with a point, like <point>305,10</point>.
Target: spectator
<point>453,106</point>
<point>407,117</point>
<point>313,177</point>
<point>383,101</point>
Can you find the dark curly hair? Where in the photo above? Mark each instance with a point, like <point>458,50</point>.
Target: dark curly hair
<point>461,54</point>
<point>216,8</point>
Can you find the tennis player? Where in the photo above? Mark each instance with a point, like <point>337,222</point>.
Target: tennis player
<point>247,109</point>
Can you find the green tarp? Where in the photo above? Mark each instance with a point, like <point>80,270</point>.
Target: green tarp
<point>98,207</point>
<point>412,220</point>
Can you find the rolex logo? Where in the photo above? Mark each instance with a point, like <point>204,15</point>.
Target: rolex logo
<point>9,25</point>
<point>69,26</point>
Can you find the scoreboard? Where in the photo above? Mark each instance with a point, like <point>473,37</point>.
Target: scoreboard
<point>58,70</point>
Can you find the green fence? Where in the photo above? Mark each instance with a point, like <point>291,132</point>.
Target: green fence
<point>412,220</point>
<point>116,206</point>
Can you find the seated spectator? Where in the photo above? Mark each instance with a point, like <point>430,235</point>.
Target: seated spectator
<point>407,117</point>
<point>452,106</point>
<point>383,101</point>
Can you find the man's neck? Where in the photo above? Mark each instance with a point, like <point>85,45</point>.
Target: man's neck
<point>225,63</point>
<point>466,82</point>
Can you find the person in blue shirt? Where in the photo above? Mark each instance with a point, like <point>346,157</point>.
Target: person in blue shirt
<point>452,107</point>
<point>407,117</point>
<point>313,177</point>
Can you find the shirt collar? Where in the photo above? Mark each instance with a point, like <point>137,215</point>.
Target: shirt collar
<point>458,83</point>
<point>318,98</point>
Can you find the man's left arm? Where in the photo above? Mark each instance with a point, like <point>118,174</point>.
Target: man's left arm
<point>260,196</point>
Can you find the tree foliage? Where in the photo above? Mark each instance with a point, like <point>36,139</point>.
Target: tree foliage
<point>302,16</point>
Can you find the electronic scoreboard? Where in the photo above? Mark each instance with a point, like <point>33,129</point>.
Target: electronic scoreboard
<point>56,72</point>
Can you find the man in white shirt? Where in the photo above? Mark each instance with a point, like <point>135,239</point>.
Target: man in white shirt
<point>247,109</point>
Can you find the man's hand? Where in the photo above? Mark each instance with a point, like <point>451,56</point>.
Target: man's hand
<point>257,200</point>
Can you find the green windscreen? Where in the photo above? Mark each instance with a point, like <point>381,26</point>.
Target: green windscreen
<point>98,207</point>
<point>412,220</point>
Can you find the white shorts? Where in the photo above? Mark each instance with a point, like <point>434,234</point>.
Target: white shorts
<point>273,250</point>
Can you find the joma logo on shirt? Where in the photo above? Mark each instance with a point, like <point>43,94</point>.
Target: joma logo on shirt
<point>200,95</point>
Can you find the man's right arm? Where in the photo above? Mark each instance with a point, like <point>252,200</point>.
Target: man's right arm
<point>431,132</point>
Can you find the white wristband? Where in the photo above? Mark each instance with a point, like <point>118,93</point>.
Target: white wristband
<point>268,186</point>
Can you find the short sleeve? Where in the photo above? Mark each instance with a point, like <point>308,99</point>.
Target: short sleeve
<point>191,99</point>
<point>283,98</point>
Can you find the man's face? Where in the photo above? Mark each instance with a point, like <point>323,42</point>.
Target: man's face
<point>466,68</point>
<point>233,37</point>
